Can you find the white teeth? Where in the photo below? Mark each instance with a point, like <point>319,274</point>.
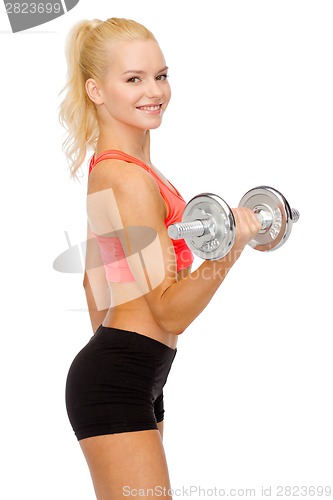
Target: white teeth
<point>150,108</point>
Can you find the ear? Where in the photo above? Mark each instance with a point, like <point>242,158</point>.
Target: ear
<point>94,91</point>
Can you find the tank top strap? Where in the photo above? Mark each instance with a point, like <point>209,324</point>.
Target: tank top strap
<point>114,154</point>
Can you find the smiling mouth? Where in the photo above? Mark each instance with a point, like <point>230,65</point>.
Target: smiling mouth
<point>150,108</point>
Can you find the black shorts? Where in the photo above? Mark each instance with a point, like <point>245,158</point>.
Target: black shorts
<point>115,383</point>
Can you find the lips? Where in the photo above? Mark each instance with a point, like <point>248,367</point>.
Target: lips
<point>151,109</point>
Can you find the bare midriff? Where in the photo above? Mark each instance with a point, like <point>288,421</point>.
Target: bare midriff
<point>130,311</point>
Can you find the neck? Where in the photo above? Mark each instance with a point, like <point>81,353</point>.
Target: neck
<point>130,140</point>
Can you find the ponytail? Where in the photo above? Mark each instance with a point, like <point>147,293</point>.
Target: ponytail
<point>76,112</point>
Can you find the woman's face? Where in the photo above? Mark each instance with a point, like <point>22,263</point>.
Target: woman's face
<point>136,90</point>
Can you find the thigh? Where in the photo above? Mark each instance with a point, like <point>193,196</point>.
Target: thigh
<point>127,464</point>
<point>159,412</point>
<point>160,426</point>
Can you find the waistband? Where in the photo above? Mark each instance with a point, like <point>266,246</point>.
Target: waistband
<point>129,338</point>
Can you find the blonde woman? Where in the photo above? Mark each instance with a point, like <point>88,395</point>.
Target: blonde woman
<point>140,289</point>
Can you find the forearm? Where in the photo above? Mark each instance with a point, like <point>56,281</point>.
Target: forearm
<point>184,300</point>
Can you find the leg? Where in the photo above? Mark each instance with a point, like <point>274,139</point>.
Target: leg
<point>159,412</point>
<point>127,461</point>
<point>160,428</point>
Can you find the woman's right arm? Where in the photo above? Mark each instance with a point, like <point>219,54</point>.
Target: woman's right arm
<point>133,200</point>
<point>180,302</point>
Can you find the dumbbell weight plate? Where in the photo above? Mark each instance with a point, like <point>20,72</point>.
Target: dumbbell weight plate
<point>217,241</point>
<point>267,198</point>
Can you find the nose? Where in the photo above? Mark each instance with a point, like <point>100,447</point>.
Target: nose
<point>153,90</point>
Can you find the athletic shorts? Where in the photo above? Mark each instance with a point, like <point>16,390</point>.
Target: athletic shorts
<point>115,383</point>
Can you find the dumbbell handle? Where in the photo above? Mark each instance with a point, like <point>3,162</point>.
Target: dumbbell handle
<point>200,227</point>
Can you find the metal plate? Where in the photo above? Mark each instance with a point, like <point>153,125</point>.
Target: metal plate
<point>271,199</point>
<point>220,239</point>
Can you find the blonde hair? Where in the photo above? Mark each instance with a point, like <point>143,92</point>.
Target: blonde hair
<point>86,54</point>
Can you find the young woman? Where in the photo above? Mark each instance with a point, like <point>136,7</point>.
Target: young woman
<point>140,289</point>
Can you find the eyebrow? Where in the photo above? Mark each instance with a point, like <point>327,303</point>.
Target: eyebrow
<point>140,72</point>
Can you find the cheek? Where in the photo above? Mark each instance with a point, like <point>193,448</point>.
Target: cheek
<point>167,96</point>
<point>167,92</point>
<point>129,96</point>
<point>118,95</point>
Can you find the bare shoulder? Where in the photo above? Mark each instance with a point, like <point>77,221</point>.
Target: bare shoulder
<point>120,176</point>
<point>132,187</point>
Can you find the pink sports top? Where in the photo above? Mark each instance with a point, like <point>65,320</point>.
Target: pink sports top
<point>112,253</point>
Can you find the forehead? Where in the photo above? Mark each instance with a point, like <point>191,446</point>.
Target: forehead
<point>142,55</point>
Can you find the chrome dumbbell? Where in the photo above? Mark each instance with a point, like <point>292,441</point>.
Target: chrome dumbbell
<point>209,228</point>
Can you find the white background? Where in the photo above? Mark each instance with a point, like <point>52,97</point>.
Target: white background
<point>249,397</point>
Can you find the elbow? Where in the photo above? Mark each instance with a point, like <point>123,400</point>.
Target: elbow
<point>173,329</point>
<point>168,318</point>
<point>176,328</point>
<point>85,281</point>
<point>179,331</point>
<point>170,324</point>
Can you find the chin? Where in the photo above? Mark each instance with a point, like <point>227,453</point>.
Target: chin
<point>152,127</point>
<point>149,125</point>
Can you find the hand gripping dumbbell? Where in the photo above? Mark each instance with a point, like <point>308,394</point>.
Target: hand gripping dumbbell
<point>209,228</point>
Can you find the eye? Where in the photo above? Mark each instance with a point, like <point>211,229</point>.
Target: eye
<point>162,77</point>
<point>134,79</point>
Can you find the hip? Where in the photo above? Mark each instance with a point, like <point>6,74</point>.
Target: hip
<point>141,321</point>
<point>124,359</point>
